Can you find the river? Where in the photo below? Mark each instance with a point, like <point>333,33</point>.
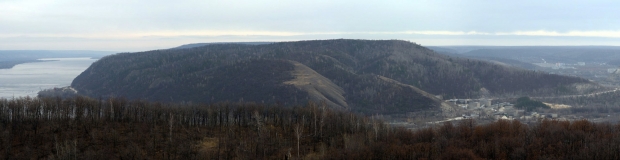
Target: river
<point>29,78</point>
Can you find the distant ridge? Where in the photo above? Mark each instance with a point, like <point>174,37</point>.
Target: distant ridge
<point>13,55</point>
<point>10,58</point>
<point>193,45</point>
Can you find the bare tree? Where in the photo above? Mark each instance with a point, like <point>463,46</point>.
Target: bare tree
<point>299,129</point>
<point>171,121</point>
<point>323,116</point>
<point>259,121</point>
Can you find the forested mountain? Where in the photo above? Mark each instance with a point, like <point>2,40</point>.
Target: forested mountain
<point>382,76</point>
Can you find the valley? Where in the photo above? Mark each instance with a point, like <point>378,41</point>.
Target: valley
<point>487,110</point>
<point>590,62</point>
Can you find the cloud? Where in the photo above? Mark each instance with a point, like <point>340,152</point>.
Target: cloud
<point>607,34</point>
<point>124,41</point>
<point>214,33</point>
<point>543,33</point>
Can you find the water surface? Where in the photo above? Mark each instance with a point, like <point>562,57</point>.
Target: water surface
<point>29,78</point>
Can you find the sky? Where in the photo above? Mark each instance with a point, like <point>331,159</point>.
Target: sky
<point>138,25</point>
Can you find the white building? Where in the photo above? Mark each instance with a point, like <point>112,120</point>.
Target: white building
<point>474,104</point>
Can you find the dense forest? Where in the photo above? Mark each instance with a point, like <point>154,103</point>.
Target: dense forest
<point>382,76</point>
<point>85,128</point>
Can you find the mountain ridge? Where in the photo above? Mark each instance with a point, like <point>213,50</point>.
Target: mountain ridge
<point>355,66</point>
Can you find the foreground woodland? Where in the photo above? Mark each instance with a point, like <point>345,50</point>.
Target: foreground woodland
<point>84,128</point>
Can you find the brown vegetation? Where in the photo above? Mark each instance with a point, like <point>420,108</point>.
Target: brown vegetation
<point>83,128</point>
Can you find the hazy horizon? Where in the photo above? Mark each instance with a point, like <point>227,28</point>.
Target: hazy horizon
<point>114,51</point>
<point>173,46</point>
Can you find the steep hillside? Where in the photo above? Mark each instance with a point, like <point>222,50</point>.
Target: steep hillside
<point>360,75</point>
<point>318,87</point>
<point>251,80</point>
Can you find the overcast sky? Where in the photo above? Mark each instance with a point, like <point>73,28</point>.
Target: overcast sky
<point>136,25</point>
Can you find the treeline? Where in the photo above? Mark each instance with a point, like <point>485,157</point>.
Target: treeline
<point>546,139</point>
<point>83,128</point>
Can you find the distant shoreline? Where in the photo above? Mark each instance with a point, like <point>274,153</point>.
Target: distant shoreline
<point>11,64</point>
